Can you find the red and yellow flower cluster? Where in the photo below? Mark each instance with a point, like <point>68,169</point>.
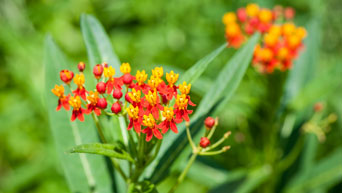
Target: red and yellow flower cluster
<point>281,41</point>
<point>147,100</point>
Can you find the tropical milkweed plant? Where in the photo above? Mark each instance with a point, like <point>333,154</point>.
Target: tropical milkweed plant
<point>121,131</point>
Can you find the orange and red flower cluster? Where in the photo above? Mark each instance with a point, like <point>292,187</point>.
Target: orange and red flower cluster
<point>149,109</point>
<point>281,40</point>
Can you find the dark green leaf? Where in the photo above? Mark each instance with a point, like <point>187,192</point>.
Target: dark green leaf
<point>109,150</point>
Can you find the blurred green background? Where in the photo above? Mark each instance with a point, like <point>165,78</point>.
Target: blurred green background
<point>144,33</point>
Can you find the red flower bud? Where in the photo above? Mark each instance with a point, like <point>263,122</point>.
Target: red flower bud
<point>205,142</point>
<point>289,13</point>
<point>127,98</point>
<point>66,76</point>
<point>127,78</point>
<point>116,108</point>
<point>97,71</point>
<point>117,94</point>
<point>242,15</point>
<point>81,66</point>
<point>101,87</point>
<point>102,103</point>
<point>318,107</point>
<point>209,122</point>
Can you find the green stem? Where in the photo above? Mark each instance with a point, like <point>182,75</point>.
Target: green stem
<point>98,126</point>
<point>115,164</point>
<point>118,168</point>
<point>189,136</point>
<point>185,171</point>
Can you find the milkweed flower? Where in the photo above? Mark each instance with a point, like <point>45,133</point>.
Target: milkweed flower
<point>80,91</point>
<point>62,99</point>
<point>135,118</point>
<point>147,99</point>
<point>281,41</point>
<point>151,128</point>
<point>77,111</point>
<point>181,108</point>
<point>170,121</point>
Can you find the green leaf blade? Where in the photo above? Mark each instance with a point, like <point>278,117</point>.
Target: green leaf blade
<point>192,74</point>
<point>80,171</point>
<point>98,44</point>
<point>109,150</point>
<point>229,77</point>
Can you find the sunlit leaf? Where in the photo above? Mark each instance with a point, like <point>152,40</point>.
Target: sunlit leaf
<point>84,173</point>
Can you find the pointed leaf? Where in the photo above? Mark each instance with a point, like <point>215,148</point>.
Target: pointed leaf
<point>230,77</point>
<point>109,150</point>
<point>98,44</point>
<point>84,173</point>
<point>192,74</point>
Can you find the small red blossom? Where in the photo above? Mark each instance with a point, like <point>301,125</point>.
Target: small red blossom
<point>101,87</point>
<point>77,112</point>
<point>93,98</point>
<point>62,99</point>
<point>181,106</point>
<point>117,94</point>
<point>209,122</point>
<point>204,142</point>
<point>66,76</point>
<point>81,66</point>
<point>116,108</point>
<point>151,129</point>
<point>102,103</point>
<point>97,71</point>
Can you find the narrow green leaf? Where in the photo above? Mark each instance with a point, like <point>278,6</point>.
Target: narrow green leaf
<point>84,173</point>
<point>109,150</point>
<point>229,77</point>
<point>213,177</point>
<point>325,173</point>
<point>100,50</point>
<point>254,178</point>
<point>192,74</point>
<point>304,67</point>
<point>98,44</point>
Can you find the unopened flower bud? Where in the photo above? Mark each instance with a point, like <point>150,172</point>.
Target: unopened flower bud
<point>116,108</point>
<point>97,71</point>
<point>226,135</point>
<point>209,122</point>
<point>225,148</point>
<point>204,142</point>
<point>127,78</point>
<point>242,15</point>
<point>66,76</point>
<point>117,94</point>
<point>81,66</point>
<point>289,13</point>
<point>127,98</point>
<point>101,87</point>
<point>102,103</point>
<point>318,107</point>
